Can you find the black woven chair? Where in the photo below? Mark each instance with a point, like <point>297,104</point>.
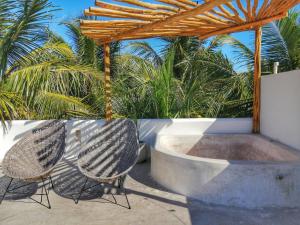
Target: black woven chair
<point>34,157</point>
<point>109,155</point>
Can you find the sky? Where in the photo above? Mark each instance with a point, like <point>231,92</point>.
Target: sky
<point>74,8</point>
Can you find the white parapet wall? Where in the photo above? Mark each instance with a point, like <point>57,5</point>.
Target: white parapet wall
<point>280,107</point>
<point>149,129</point>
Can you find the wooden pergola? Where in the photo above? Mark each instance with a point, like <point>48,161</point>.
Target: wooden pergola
<point>136,19</point>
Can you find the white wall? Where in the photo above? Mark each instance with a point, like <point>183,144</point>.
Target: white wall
<point>280,107</point>
<point>148,130</point>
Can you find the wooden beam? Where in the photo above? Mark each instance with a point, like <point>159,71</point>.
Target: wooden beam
<point>169,20</point>
<point>257,81</point>
<point>107,83</point>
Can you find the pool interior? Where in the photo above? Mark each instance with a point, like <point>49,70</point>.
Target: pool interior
<point>230,147</point>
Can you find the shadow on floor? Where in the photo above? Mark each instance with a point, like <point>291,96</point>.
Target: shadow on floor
<point>28,189</point>
<point>68,182</point>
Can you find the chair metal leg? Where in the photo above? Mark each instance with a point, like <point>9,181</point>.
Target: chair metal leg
<point>6,190</point>
<point>121,186</point>
<point>42,194</point>
<point>114,198</point>
<point>51,181</point>
<point>129,207</point>
<point>81,191</point>
<point>44,186</point>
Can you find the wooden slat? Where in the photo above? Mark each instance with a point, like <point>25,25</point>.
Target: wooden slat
<point>283,6</point>
<point>150,5</point>
<point>241,7</point>
<point>254,8</point>
<point>249,10</point>
<point>263,8</point>
<point>107,83</point>
<point>132,10</point>
<point>235,11</point>
<point>226,14</point>
<point>94,11</point>
<point>257,81</point>
<point>102,23</point>
<point>177,4</point>
<point>229,17</point>
<point>269,11</point>
<point>214,19</point>
<point>188,2</point>
<point>172,19</point>
<point>244,26</point>
<point>88,28</point>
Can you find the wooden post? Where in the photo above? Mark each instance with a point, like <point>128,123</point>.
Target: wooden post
<point>107,83</point>
<point>257,81</point>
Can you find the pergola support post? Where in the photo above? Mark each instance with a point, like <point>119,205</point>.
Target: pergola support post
<point>107,83</point>
<point>257,81</point>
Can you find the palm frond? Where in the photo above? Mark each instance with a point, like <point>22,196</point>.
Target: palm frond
<point>26,32</point>
<point>11,106</point>
<point>144,50</point>
<point>55,105</point>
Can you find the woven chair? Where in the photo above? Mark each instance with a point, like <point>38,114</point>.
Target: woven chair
<point>109,154</point>
<point>34,157</point>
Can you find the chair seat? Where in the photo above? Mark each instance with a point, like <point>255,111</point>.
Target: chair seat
<point>111,151</point>
<point>35,155</point>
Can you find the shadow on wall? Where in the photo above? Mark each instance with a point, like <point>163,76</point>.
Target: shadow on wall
<point>78,131</point>
<point>29,125</point>
<point>68,180</point>
<point>150,128</point>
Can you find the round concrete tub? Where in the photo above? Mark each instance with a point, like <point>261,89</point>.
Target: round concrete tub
<point>234,170</point>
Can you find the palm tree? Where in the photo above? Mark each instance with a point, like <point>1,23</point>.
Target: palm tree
<point>88,51</point>
<point>280,43</point>
<point>181,46</point>
<point>22,26</point>
<point>38,68</point>
<point>149,86</point>
<point>51,81</point>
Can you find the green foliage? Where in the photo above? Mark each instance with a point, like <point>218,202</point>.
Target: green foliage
<point>43,77</point>
<point>52,72</point>
<point>38,70</point>
<point>23,26</point>
<point>11,106</point>
<point>280,43</point>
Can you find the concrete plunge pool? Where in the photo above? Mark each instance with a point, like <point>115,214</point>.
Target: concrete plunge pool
<point>241,170</point>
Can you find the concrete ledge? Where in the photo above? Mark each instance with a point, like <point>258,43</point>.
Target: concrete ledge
<point>246,184</point>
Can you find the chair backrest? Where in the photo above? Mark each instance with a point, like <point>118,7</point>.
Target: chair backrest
<point>37,152</point>
<point>112,150</point>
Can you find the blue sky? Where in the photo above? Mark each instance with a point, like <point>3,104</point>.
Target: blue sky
<point>74,8</point>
